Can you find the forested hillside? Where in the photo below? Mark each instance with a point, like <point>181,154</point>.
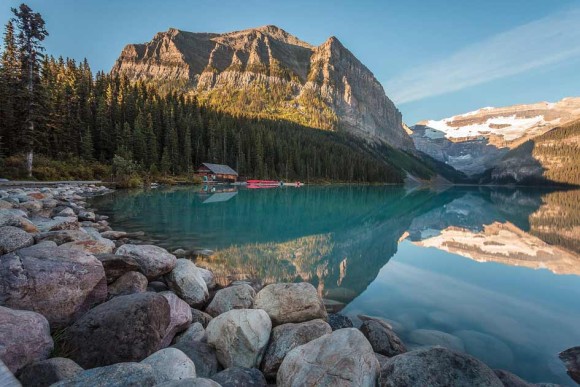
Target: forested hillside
<point>95,121</point>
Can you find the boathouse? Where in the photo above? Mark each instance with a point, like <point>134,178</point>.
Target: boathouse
<point>217,173</point>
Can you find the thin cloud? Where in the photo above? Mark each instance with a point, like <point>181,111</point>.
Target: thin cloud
<point>546,41</point>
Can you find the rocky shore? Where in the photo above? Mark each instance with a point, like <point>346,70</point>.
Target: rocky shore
<point>84,305</point>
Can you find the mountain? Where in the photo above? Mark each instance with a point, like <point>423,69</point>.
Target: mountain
<point>476,141</point>
<point>266,72</point>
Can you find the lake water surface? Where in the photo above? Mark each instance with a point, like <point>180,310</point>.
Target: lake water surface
<point>493,272</point>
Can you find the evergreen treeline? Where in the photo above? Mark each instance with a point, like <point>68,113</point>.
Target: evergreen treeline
<point>140,130</point>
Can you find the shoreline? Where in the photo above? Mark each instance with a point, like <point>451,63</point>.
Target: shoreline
<point>125,312</point>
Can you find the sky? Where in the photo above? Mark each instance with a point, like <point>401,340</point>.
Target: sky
<point>434,58</point>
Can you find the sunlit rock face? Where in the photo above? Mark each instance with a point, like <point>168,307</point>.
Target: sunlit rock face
<point>269,73</point>
<point>474,142</point>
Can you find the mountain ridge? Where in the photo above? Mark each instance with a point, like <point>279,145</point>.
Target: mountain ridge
<point>266,72</point>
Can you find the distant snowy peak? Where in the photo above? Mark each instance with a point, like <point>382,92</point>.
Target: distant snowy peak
<point>503,126</point>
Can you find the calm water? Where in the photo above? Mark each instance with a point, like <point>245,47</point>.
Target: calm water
<point>494,272</point>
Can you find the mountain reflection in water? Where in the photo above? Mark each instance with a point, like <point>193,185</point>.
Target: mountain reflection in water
<point>396,253</point>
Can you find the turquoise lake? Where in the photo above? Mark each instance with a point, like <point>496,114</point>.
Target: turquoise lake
<point>492,272</point>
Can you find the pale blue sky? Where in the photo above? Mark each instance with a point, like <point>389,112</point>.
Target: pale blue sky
<point>435,58</point>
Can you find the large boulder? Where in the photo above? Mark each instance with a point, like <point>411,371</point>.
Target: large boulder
<point>285,338</point>
<point>186,281</point>
<point>208,277</point>
<point>60,284</point>
<point>13,238</point>
<point>7,378</point>
<point>240,377</point>
<point>153,261</point>
<point>571,359</point>
<point>116,265</point>
<point>290,303</point>
<point>180,317</point>
<point>382,338</point>
<point>234,297</point>
<point>24,338</point>
<point>342,358</point>
<point>46,372</point>
<point>116,375</point>
<point>436,366</point>
<point>92,246</point>
<point>128,283</point>
<point>124,329</point>
<point>170,364</point>
<point>63,236</point>
<point>202,354</point>
<point>240,337</point>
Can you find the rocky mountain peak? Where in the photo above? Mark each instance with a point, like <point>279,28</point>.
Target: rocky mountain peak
<point>324,86</point>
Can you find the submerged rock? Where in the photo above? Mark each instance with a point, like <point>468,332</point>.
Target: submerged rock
<point>429,337</point>
<point>486,348</point>
<point>24,338</point>
<point>290,303</point>
<point>436,367</point>
<point>240,376</point>
<point>285,338</point>
<point>28,277</point>
<point>234,297</point>
<point>170,364</point>
<point>382,338</point>
<point>510,380</point>
<point>240,337</point>
<point>571,359</point>
<point>186,281</point>
<point>153,261</point>
<point>116,375</point>
<point>342,358</point>
<point>126,328</point>
<point>46,372</point>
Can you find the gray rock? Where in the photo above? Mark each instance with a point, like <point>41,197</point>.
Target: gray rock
<point>58,223</point>
<point>7,379</point>
<point>195,333</point>
<point>338,321</point>
<point>382,338</point>
<point>126,328</point>
<point>342,358</point>
<point>234,297</point>
<point>285,338</point>
<point>208,277</point>
<point>200,317</point>
<point>571,359</point>
<point>429,337</point>
<point>13,238</point>
<point>116,375</point>
<point>92,246</point>
<point>240,377</point>
<point>154,261</point>
<point>114,234</point>
<point>66,212</point>
<point>170,364</point>
<point>186,281</point>
<point>46,372</point>
<point>240,337</point>
<point>5,204</point>
<point>24,338</point>
<point>197,382</point>
<point>87,216</point>
<point>28,277</point>
<point>20,221</point>
<point>158,286</point>
<point>436,366</point>
<point>180,317</point>
<point>116,265</point>
<point>63,236</point>
<point>49,203</point>
<point>128,283</point>
<point>382,359</point>
<point>202,354</point>
<point>510,380</point>
<point>32,205</point>
<point>290,303</point>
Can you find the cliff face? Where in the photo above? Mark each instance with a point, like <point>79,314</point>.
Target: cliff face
<point>476,141</point>
<point>266,72</point>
